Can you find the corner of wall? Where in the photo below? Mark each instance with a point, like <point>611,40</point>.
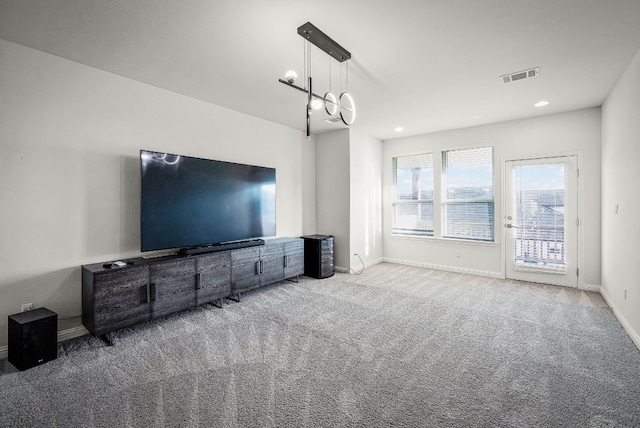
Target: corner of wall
<point>620,154</point>
<point>633,335</point>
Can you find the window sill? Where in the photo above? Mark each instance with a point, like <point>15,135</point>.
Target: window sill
<point>446,240</point>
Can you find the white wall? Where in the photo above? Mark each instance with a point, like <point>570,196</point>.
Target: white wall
<point>572,132</point>
<point>70,137</point>
<point>620,179</point>
<point>366,200</point>
<point>333,193</point>
<point>308,165</point>
<point>348,198</point>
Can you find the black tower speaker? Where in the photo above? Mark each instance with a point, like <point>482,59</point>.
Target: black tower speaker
<point>318,256</point>
<point>33,338</point>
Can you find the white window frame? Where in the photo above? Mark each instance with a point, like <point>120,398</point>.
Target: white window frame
<point>397,202</point>
<point>445,202</point>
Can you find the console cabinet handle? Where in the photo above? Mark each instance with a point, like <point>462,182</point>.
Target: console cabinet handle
<point>198,279</point>
<point>258,268</point>
<point>286,260</point>
<point>153,291</point>
<point>144,294</point>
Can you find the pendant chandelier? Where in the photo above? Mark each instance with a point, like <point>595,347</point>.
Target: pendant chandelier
<point>342,105</point>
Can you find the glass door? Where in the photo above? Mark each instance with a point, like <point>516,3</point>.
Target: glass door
<point>541,220</point>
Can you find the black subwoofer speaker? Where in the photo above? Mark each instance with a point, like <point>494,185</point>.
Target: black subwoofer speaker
<point>33,338</point>
<point>318,256</point>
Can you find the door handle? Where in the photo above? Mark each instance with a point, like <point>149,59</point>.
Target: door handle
<point>512,226</point>
<point>150,293</point>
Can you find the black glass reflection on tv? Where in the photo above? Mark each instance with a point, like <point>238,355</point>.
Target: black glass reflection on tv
<point>191,202</point>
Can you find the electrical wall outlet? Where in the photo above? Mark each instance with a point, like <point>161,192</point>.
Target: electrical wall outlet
<point>27,307</point>
<point>457,253</point>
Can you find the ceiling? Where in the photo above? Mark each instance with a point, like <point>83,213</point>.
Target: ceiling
<point>425,65</point>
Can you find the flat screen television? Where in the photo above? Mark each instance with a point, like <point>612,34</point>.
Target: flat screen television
<point>188,202</point>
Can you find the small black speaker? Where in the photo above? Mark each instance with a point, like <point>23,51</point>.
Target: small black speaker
<point>318,256</point>
<point>33,338</point>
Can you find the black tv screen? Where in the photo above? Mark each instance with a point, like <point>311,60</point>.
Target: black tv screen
<point>191,202</point>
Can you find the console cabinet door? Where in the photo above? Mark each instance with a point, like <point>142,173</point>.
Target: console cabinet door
<point>293,258</point>
<point>213,277</point>
<point>245,269</point>
<point>119,299</point>
<point>173,286</point>
<point>272,259</point>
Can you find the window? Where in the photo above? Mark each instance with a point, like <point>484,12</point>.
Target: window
<point>413,197</point>
<point>467,200</point>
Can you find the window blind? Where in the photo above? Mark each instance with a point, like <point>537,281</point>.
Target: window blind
<point>468,203</point>
<point>413,194</point>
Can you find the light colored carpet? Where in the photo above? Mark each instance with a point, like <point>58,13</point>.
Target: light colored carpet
<point>395,346</point>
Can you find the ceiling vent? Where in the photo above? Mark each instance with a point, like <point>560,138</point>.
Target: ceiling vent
<point>520,75</point>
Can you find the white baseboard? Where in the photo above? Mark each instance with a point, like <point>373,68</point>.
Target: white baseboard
<point>445,268</point>
<point>71,333</point>
<point>366,265</point>
<point>635,337</point>
<point>63,335</point>
<point>590,287</point>
<point>373,262</point>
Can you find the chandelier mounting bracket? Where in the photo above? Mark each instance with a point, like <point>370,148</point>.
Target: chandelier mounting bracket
<point>325,43</point>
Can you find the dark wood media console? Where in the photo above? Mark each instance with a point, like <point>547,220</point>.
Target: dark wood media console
<point>117,297</point>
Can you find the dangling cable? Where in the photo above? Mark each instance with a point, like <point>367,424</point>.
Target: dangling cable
<point>310,94</point>
<point>304,62</point>
<point>347,76</point>
<point>309,72</point>
<point>309,49</point>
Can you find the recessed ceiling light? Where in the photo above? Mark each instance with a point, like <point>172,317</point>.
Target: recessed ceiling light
<point>399,129</point>
<point>541,103</point>
<point>475,117</point>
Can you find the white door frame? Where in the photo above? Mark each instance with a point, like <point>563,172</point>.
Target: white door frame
<point>502,223</point>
